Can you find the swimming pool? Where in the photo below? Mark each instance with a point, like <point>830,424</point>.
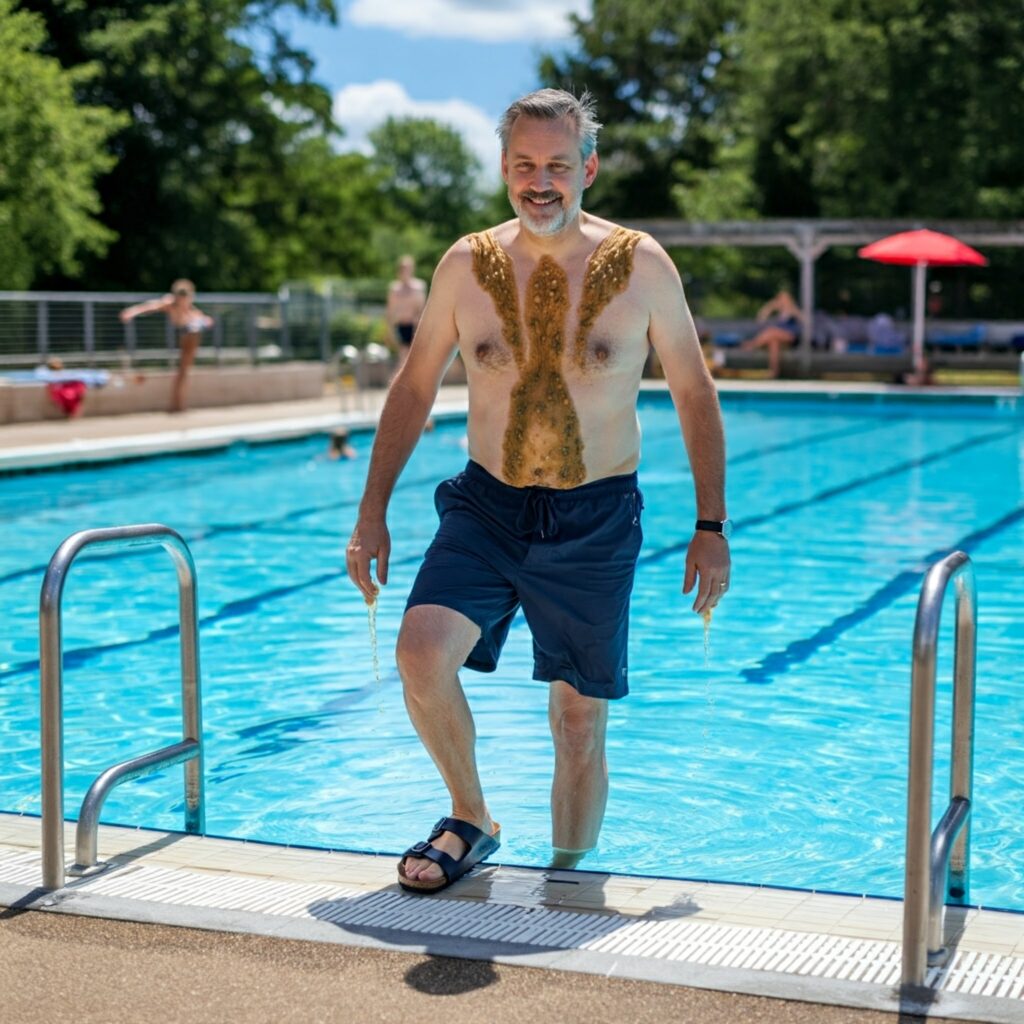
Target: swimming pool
<point>782,760</point>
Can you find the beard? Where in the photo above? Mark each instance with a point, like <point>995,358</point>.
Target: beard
<point>546,220</point>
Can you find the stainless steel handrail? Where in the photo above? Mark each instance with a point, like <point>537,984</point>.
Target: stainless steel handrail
<point>938,866</point>
<point>51,670</point>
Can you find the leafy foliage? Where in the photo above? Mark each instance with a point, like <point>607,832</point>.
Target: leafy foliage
<point>224,172</point>
<point>654,67</point>
<point>51,152</point>
<point>430,181</point>
<point>886,108</point>
<point>738,109</point>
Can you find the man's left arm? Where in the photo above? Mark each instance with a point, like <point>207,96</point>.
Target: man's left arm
<point>672,334</point>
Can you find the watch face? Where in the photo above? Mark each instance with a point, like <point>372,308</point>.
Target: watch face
<point>727,528</point>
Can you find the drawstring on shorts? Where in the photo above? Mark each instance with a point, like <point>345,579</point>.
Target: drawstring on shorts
<point>538,515</point>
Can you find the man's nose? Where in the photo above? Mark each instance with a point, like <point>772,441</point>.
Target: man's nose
<point>540,181</point>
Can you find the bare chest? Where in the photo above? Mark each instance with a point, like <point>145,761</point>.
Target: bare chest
<point>541,341</point>
<point>576,322</point>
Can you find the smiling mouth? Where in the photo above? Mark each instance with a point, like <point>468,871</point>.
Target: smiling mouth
<point>541,200</point>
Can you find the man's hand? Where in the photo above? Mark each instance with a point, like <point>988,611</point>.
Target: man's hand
<point>369,541</point>
<point>708,559</point>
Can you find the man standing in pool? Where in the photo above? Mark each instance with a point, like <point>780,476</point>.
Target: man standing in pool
<point>546,515</point>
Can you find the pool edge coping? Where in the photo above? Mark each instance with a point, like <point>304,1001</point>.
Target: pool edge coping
<point>265,426</point>
<point>375,875</point>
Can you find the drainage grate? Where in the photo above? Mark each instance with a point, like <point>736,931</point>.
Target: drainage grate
<point>695,942</point>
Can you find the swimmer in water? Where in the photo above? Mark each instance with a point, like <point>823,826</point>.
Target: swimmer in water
<point>339,446</point>
<point>188,322</point>
<point>554,313</point>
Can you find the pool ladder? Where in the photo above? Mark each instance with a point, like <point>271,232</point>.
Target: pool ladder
<point>937,867</point>
<point>51,658</point>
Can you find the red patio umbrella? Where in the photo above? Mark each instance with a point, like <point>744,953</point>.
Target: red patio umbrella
<point>919,249</point>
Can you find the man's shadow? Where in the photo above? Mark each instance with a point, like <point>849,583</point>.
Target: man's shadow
<point>493,911</point>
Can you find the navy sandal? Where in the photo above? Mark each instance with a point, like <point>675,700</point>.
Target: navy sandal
<point>480,844</point>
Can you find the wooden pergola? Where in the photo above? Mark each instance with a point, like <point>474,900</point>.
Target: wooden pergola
<point>808,239</point>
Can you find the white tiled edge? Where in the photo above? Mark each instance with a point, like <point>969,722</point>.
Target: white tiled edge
<point>824,948</point>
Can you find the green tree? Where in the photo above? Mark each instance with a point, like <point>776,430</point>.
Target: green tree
<point>51,152</point>
<point>739,108</point>
<point>213,178</point>
<point>654,68</point>
<point>431,176</point>
<point>884,108</point>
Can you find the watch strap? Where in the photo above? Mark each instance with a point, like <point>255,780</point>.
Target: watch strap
<point>711,525</point>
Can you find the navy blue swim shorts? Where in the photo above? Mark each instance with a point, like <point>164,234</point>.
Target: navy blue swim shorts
<point>568,557</point>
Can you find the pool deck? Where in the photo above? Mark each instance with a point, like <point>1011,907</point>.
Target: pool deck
<point>56,442</point>
<point>331,935</point>
<point>790,945</point>
<point>101,438</point>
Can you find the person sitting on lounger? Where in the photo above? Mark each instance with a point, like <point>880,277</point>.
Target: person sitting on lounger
<point>786,320</point>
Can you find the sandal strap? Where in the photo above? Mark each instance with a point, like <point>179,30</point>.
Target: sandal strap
<point>467,832</point>
<point>426,851</point>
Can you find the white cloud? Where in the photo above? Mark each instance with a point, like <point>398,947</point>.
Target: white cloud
<point>496,21</point>
<point>361,108</point>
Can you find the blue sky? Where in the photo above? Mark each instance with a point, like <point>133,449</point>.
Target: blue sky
<point>459,61</point>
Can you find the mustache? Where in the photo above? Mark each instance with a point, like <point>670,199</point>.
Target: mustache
<point>540,197</point>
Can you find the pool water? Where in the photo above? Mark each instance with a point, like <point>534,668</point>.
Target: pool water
<point>780,758</point>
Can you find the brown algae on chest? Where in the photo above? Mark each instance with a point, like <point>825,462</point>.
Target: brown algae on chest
<point>543,443</point>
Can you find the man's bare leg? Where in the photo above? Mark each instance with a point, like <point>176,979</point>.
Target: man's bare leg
<point>432,646</point>
<point>579,791</point>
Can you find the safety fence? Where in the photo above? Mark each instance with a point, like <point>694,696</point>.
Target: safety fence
<point>84,328</point>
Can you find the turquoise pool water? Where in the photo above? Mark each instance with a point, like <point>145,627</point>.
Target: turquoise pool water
<point>781,759</point>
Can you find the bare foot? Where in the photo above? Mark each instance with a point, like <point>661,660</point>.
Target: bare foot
<point>419,869</point>
<point>566,860</point>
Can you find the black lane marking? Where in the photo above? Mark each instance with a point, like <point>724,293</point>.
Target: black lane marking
<point>778,662</point>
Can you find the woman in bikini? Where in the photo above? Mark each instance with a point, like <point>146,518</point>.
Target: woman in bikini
<point>188,322</point>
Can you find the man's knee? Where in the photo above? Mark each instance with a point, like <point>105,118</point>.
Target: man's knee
<point>578,726</point>
<point>433,642</point>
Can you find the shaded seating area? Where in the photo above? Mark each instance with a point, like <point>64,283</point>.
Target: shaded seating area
<point>989,346</point>
<point>860,345</point>
<point>969,338</point>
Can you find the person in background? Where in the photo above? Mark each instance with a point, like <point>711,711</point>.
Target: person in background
<point>407,295</point>
<point>786,319</point>
<point>188,322</point>
<point>339,447</point>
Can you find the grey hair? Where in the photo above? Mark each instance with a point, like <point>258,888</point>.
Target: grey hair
<point>552,105</point>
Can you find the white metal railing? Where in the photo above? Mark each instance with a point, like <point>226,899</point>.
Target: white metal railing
<point>86,327</point>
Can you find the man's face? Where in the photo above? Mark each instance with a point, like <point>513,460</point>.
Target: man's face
<point>545,173</point>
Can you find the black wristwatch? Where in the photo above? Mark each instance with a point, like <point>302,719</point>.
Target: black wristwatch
<point>723,527</point>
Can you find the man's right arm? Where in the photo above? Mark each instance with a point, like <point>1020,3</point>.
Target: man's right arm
<point>405,413</point>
